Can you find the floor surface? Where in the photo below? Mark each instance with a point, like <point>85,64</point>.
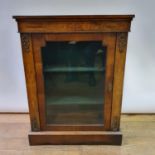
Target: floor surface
<point>138,138</point>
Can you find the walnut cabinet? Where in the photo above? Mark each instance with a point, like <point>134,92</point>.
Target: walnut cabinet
<point>74,69</point>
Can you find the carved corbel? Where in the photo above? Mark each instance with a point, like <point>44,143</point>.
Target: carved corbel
<point>122,41</point>
<point>25,39</point>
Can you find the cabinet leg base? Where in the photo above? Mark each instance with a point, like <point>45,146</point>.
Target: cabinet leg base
<point>75,138</point>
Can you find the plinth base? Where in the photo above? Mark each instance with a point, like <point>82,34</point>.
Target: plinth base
<point>75,138</point>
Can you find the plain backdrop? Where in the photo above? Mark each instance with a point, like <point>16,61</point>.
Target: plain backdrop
<point>139,83</point>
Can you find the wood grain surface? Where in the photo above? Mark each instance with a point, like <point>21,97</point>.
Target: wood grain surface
<point>112,30</point>
<point>138,131</point>
<point>74,23</point>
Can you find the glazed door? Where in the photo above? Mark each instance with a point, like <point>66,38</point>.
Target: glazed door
<point>74,74</point>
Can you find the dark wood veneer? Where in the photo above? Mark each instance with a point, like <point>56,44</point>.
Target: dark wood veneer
<point>35,32</point>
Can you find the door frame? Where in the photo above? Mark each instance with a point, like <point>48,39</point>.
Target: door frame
<point>109,40</point>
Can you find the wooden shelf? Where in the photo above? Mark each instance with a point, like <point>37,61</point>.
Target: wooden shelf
<point>73,100</point>
<point>73,69</point>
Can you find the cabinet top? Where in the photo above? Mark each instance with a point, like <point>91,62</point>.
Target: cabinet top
<point>74,23</point>
<point>76,17</point>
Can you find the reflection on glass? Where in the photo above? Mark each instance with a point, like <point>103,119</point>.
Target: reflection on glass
<point>74,75</point>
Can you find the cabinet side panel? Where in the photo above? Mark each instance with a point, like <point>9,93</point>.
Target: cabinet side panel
<point>109,41</point>
<point>120,56</point>
<point>30,76</point>
<point>38,43</point>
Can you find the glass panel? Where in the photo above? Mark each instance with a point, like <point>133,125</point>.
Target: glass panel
<point>74,75</point>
